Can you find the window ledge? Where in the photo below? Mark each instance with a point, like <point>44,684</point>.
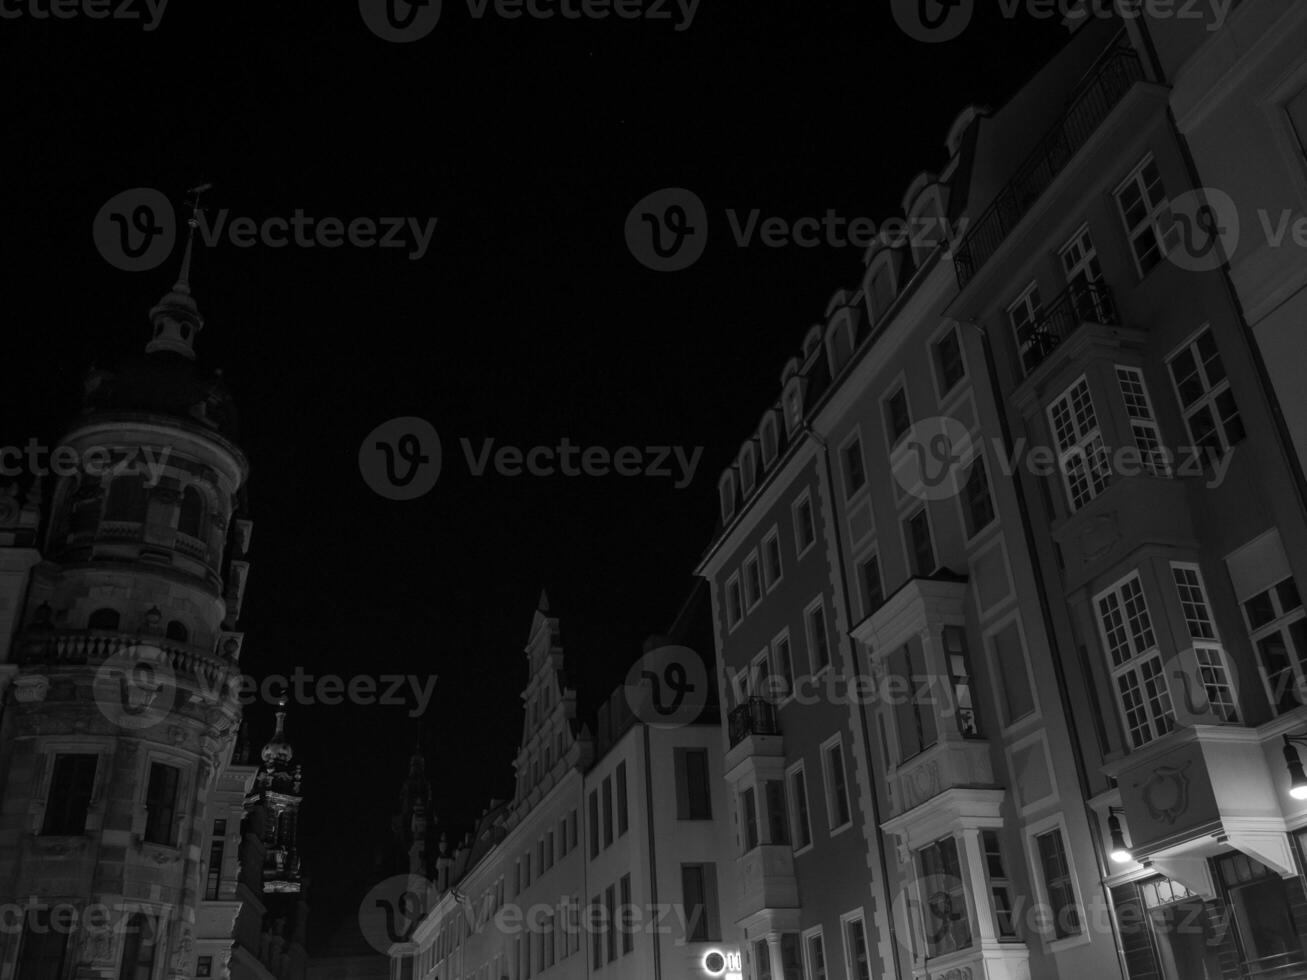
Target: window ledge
<point>1070,942</point>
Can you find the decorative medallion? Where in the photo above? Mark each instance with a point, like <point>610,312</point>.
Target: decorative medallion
<point>1166,792</point>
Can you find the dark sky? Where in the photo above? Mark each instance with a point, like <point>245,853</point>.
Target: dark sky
<point>527,321</point>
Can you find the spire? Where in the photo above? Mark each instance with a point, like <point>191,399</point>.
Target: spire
<point>175,319</point>
<point>543,604</point>
<point>278,752</point>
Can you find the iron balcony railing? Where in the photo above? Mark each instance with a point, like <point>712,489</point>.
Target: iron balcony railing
<point>1085,302</point>
<point>1114,76</point>
<point>756,716</point>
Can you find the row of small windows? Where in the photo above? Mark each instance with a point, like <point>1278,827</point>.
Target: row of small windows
<point>551,847</point>
<point>886,268</point>
<point>128,497</point>
<point>601,801</point>
<point>761,574</point>
<point>778,811</point>
<point>72,784</point>
<point>110,619</point>
<point>611,920</point>
<point>1207,404</point>
<point>950,371</point>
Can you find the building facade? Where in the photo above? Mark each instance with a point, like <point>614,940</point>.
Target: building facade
<point>122,804</point>
<point>606,861</point>
<point>1239,99</point>
<point>1031,481</point>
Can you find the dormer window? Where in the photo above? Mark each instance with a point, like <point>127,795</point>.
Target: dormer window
<point>839,342</point>
<point>748,469</point>
<point>928,223</point>
<point>767,435</point>
<point>177,632</point>
<point>811,343</point>
<point>881,286</point>
<point>726,495</point>
<point>793,404</point>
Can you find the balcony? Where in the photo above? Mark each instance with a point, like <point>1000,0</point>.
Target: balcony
<point>61,649</point>
<point>755,735</point>
<point>950,764</point>
<point>766,880</point>
<point>1105,86</point>
<point>1006,961</point>
<point>1200,790</point>
<point>1081,303</point>
<point>756,716</point>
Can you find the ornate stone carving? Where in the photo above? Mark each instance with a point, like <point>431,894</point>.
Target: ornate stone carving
<point>97,945</point>
<point>920,784</point>
<point>1166,792</point>
<point>31,688</point>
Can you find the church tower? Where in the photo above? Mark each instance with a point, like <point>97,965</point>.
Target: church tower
<point>120,714</point>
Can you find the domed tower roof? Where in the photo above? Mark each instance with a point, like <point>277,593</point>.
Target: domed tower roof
<point>165,379</point>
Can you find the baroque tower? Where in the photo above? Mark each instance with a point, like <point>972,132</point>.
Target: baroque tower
<point>120,713</point>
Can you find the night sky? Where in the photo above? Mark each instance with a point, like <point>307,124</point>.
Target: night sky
<point>528,320</point>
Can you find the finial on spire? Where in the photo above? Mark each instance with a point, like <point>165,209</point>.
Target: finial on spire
<point>175,319</point>
<point>183,284</point>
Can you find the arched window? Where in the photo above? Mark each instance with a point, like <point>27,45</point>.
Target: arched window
<point>748,468</point>
<point>726,495</point>
<point>126,500</point>
<point>191,521</point>
<point>139,947</point>
<point>177,631</point>
<point>839,342</point>
<point>768,437</point>
<point>103,619</point>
